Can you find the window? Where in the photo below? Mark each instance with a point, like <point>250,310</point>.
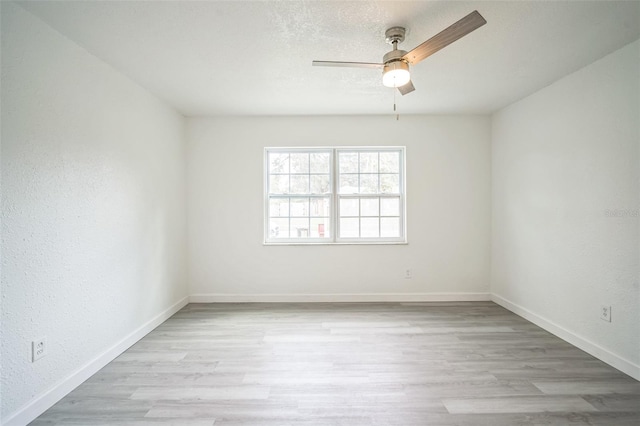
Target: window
<point>334,195</point>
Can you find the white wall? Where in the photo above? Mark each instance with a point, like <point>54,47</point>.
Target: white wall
<point>448,209</point>
<point>93,227</point>
<point>564,159</point>
<point>1,272</point>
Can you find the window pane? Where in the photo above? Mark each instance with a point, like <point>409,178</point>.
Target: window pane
<point>348,162</point>
<point>299,163</point>
<point>389,207</point>
<point>279,184</point>
<point>369,207</point>
<point>390,227</point>
<point>299,228</point>
<point>349,207</point>
<point>369,227</point>
<point>320,162</point>
<point>349,228</point>
<point>348,184</point>
<point>299,207</point>
<point>320,184</point>
<point>278,207</point>
<point>278,162</point>
<point>299,184</point>
<point>390,184</point>
<point>319,228</point>
<point>389,162</point>
<point>320,207</point>
<point>369,184</point>
<point>278,228</point>
<point>368,162</point>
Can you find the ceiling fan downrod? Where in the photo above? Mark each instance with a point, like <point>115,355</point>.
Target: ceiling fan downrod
<point>393,36</point>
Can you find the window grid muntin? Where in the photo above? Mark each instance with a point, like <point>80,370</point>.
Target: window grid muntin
<point>359,173</point>
<point>309,217</point>
<point>288,173</point>
<point>379,216</point>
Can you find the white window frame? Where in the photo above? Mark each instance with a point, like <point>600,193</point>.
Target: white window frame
<point>334,197</point>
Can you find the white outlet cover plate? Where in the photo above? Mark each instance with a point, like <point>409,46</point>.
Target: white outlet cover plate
<point>605,313</point>
<point>38,349</point>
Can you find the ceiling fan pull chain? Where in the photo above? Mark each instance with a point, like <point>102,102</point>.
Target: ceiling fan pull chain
<point>394,106</point>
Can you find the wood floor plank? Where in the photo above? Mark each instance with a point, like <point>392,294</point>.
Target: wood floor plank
<point>629,403</point>
<point>517,404</point>
<point>587,387</point>
<point>218,392</point>
<point>351,364</point>
<point>225,409</point>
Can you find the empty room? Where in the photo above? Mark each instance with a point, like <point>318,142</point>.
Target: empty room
<point>319,213</point>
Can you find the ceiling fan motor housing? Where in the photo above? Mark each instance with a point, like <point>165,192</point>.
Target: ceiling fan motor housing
<point>394,55</point>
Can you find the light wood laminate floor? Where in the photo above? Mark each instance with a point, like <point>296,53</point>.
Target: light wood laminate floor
<point>351,364</point>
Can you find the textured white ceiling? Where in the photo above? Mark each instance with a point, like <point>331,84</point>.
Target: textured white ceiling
<point>254,58</point>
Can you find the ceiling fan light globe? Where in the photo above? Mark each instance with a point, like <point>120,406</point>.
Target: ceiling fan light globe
<point>396,74</point>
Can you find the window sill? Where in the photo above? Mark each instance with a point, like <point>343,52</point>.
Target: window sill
<point>345,243</point>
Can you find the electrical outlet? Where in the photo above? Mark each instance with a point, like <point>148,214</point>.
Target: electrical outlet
<point>38,349</point>
<point>408,274</point>
<point>605,313</point>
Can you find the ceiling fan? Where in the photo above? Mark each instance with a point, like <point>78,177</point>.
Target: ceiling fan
<point>395,64</point>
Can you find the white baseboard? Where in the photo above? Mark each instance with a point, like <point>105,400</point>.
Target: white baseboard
<point>47,399</point>
<point>580,342</point>
<point>339,297</point>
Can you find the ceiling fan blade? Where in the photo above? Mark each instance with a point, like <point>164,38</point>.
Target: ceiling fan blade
<point>445,37</point>
<point>346,64</point>
<point>407,88</point>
